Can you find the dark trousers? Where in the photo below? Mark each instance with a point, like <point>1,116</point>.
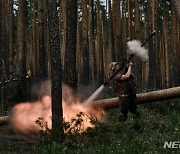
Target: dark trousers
<point>128,103</point>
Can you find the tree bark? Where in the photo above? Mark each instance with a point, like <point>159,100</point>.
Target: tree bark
<point>1,49</point>
<point>92,59</point>
<point>56,80</point>
<point>85,45</point>
<point>70,48</point>
<point>129,20</point>
<point>117,29</point>
<point>166,51</point>
<point>42,55</point>
<point>175,70</point>
<point>2,52</point>
<point>21,50</point>
<point>124,32</point>
<point>176,5</point>
<point>111,38</point>
<point>138,63</point>
<point>142,98</point>
<point>151,44</point>
<point>99,50</point>
<point>35,45</point>
<point>11,36</point>
<point>63,4</point>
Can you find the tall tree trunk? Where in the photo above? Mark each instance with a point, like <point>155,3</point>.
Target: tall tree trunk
<point>1,20</point>
<point>1,50</point>
<point>42,55</point>
<point>178,47</point>
<point>11,36</point>
<point>85,45</point>
<point>176,5</point>
<point>78,56</point>
<point>111,38</point>
<point>151,44</point>
<point>70,48</point>
<point>30,53</point>
<point>124,25</point>
<point>161,55</point>
<point>21,50</point>
<point>137,20</point>
<point>165,32</point>
<point>6,37</point>
<point>145,67</point>
<point>158,74</point>
<point>56,80</point>
<point>99,50</point>
<point>174,49</point>
<point>158,38</point>
<point>176,38</point>
<point>105,38</point>
<point>30,57</point>
<point>138,68</point>
<point>129,20</point>
<point>117,29</point>
<point>35,45</point>
<point>63,4</point>
<point>92,59</point>
<point>46,40</point>
<point>3,53</point>
<point>156,46</point>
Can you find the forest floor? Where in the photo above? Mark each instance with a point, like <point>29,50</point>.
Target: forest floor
<point>159,123</point>
<point>11,142</point>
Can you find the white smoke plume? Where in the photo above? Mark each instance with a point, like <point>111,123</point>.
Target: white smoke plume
<point>134,46</point>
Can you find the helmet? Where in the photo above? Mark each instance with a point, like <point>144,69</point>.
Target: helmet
<point>112,65</point>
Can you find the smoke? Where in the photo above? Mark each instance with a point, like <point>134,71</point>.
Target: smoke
<point>24,115</point>
<point>84,92</point>
<point>134,46</point>
<point>94,95</point>
<point>41,89</point>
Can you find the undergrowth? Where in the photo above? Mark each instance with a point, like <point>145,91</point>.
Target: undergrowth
<point>159,123</point>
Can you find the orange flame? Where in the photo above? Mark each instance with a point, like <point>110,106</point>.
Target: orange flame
<point>25,114</point>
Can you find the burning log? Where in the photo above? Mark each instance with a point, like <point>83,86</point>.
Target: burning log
<point>142,98</point>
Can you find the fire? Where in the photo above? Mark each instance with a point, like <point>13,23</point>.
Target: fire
<point>24,115</point>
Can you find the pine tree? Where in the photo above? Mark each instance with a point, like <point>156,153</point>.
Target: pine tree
<point>70,47</point>
<point>56,79</point>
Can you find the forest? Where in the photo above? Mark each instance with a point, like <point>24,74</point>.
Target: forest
<point>55,54</point>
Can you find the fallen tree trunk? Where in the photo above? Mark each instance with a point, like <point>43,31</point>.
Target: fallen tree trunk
<point>142,98</point>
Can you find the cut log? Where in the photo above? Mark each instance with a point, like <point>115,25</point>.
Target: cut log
<point>142,98</point>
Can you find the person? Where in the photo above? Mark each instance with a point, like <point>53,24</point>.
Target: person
<point>125,86</point>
